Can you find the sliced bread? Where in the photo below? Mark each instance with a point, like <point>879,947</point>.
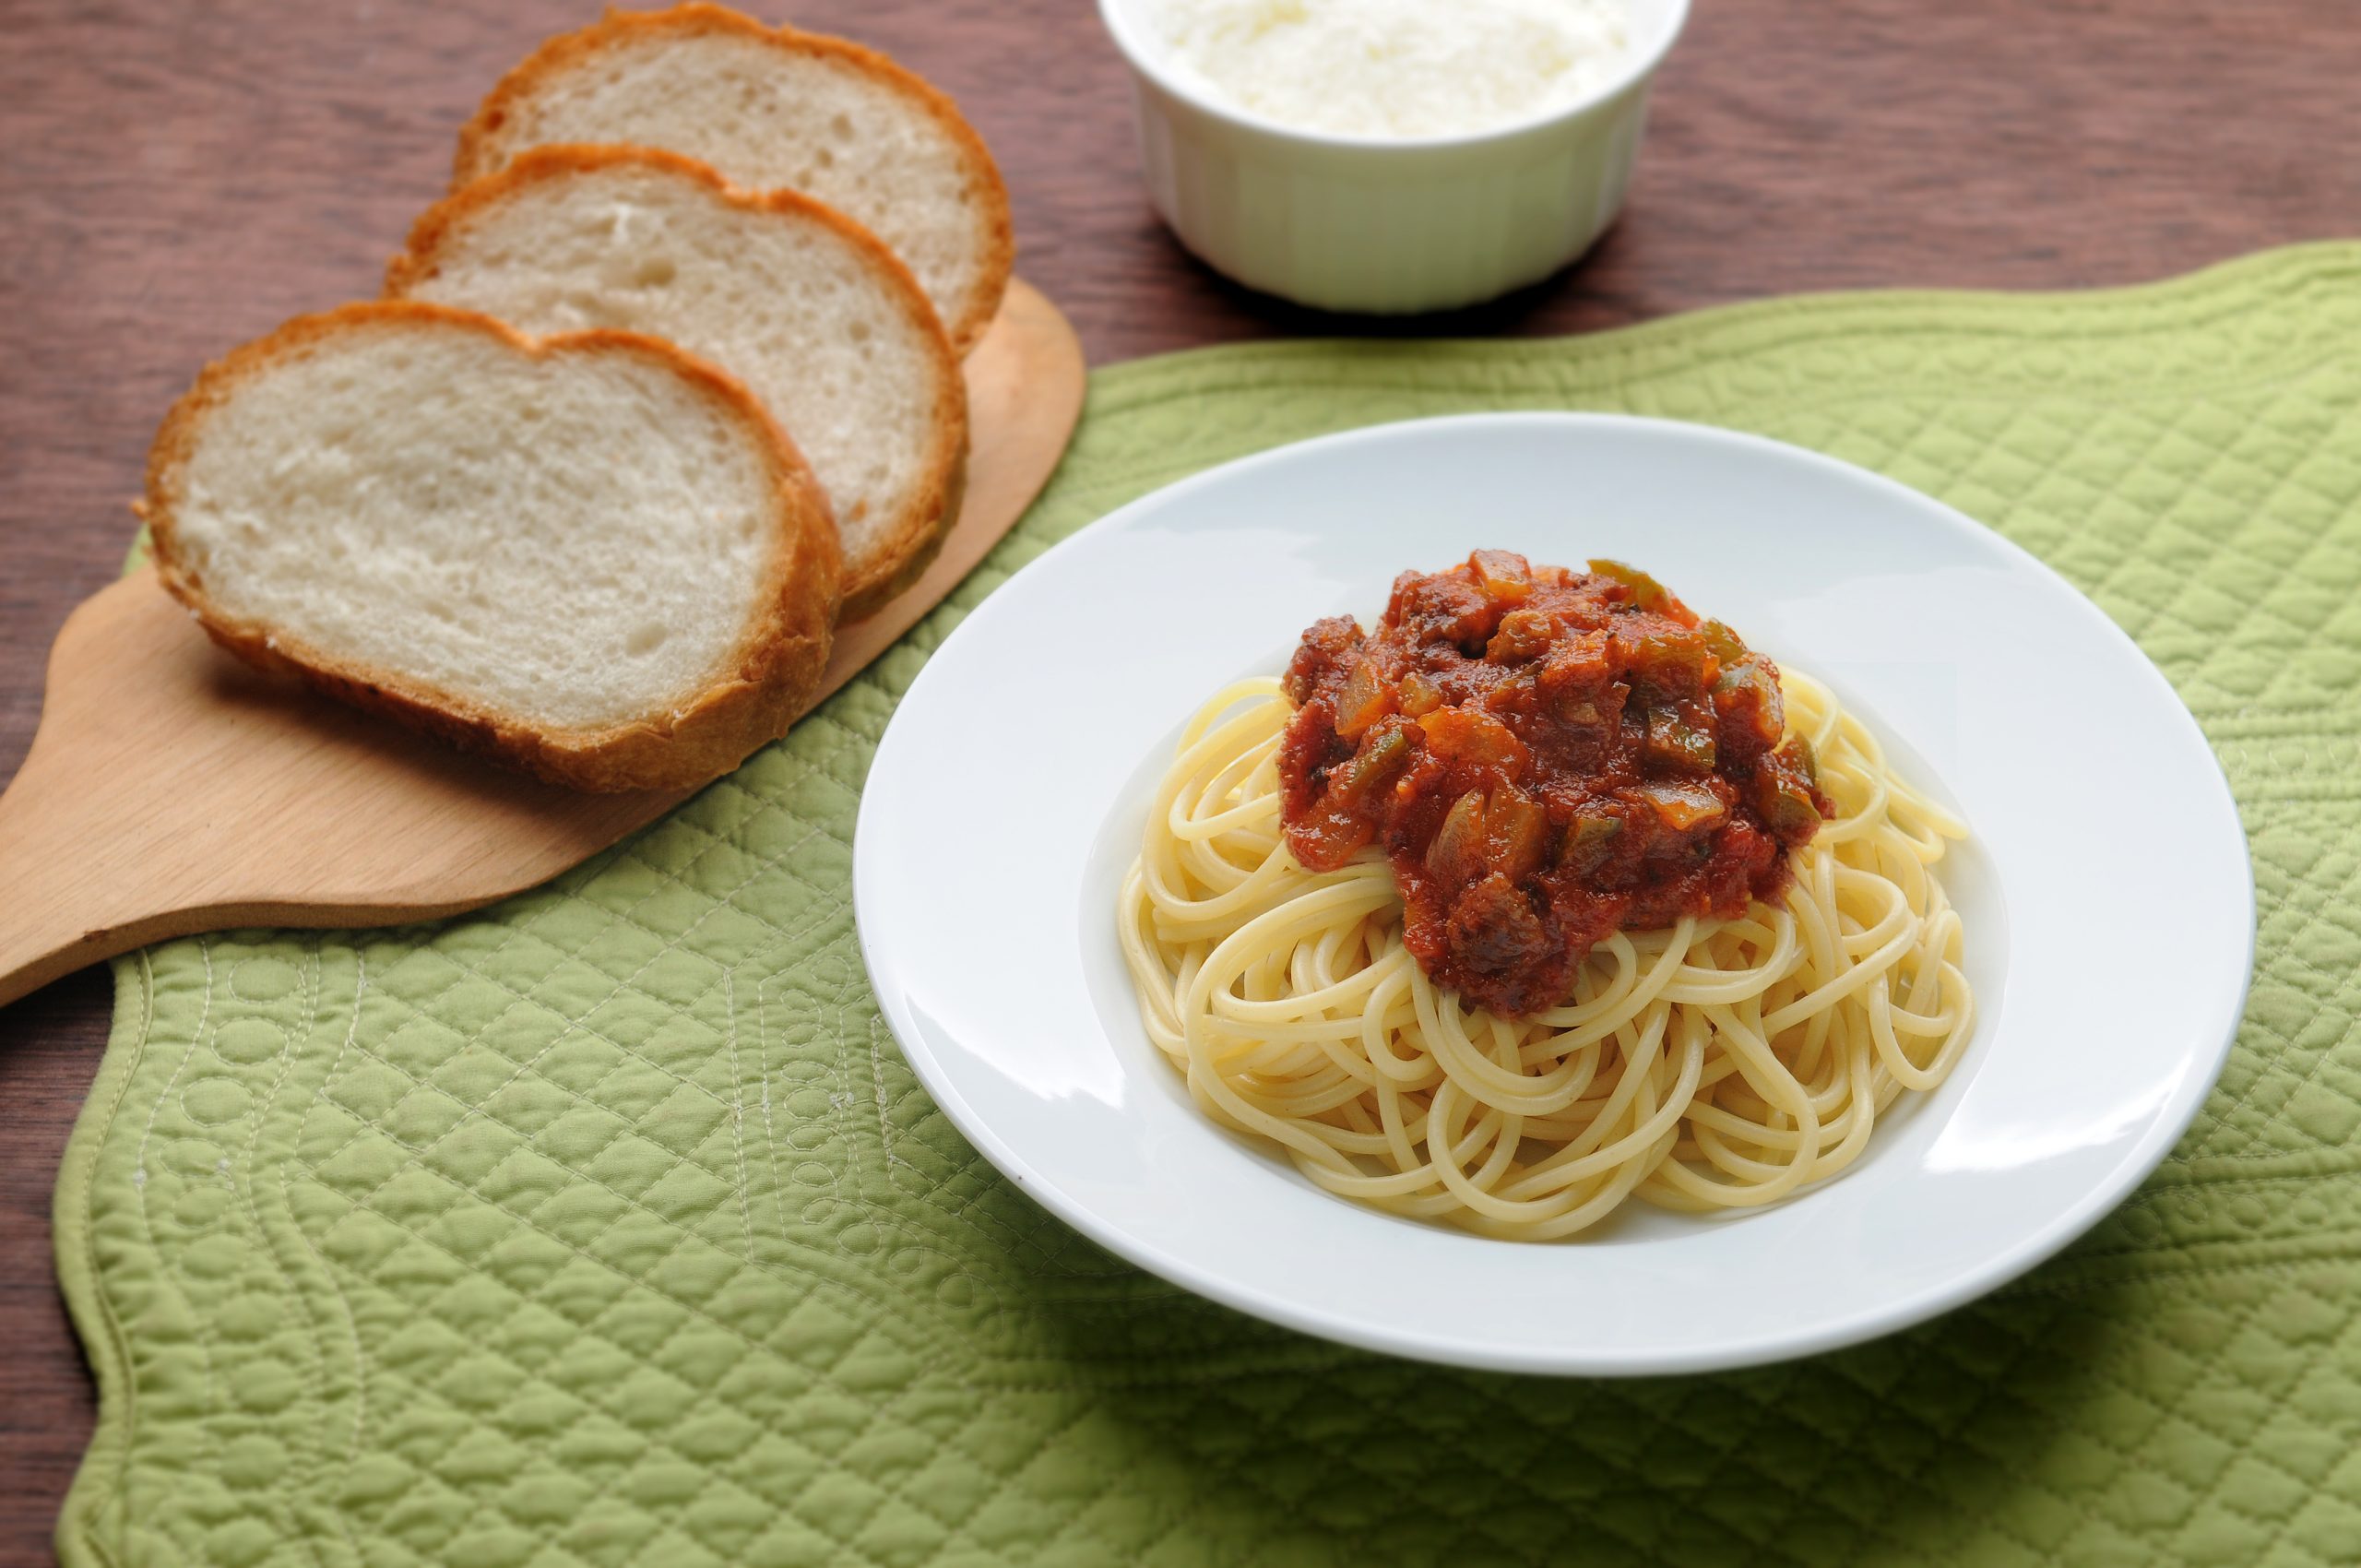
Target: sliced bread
<point>591,557</point>
<point>802,305</point>
<point>772,108</point>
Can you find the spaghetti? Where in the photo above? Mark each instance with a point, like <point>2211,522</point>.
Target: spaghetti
<point>1714,1063</point>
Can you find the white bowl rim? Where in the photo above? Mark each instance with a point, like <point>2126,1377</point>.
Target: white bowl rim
<point>1146,58</point>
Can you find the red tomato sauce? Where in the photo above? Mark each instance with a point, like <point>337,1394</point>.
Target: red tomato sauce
<point>1547,757</point>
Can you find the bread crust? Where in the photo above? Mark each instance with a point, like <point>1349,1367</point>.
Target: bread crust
<point>480,152</point>
<point>910,541</point>
<point>751,696</point>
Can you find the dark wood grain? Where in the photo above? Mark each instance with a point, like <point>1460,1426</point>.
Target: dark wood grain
<point>181,176</point>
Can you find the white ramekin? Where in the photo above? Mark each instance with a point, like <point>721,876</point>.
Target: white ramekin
<point>1361,223</point>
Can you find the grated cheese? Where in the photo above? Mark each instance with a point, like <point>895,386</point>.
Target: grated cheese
<point>1397,68</point>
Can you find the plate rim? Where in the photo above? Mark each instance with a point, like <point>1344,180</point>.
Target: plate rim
<point>2172,1118</point>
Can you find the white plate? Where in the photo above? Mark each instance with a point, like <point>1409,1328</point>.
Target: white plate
<point>2108,903</point>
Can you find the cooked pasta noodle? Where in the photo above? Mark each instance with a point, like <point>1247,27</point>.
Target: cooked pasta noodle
<point>1716,1064</point>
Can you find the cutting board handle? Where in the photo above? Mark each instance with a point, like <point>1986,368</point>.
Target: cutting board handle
<point>52,925</point>
<point>42,935</point>
<point>72,876</point>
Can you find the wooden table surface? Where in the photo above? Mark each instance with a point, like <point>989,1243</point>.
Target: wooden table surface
<point>179,176</point>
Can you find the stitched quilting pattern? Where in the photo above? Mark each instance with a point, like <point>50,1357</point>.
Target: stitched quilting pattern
<point>609,1225</point>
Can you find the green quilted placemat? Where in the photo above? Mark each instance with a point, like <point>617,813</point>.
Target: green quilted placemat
<point>608,1226</point>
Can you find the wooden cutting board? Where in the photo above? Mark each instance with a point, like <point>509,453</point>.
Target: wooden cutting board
<point>171,789</point>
